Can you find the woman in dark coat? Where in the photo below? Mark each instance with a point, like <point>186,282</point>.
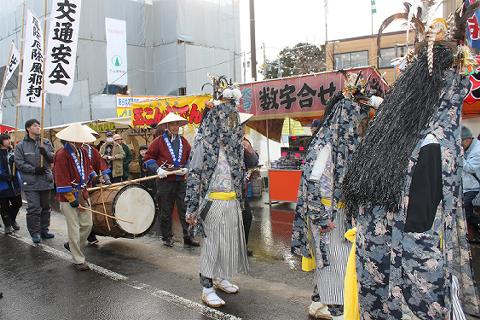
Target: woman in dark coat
<point>10,197</point>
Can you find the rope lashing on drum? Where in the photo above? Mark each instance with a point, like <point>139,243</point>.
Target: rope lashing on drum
<point>104,208</point>
<point>104,214</point>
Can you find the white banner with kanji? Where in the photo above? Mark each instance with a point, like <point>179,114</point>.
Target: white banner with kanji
<point>11,66</point>
<point>62,46</point>
<point>32,72</point>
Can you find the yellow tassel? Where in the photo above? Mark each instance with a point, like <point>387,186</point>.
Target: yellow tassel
<point>351,308</point>
<point>308,264</point>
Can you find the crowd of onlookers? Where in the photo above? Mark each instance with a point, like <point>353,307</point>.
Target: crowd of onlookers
<point>27,167</point>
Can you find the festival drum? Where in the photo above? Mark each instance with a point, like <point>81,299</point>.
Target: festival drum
<point>131,203</point>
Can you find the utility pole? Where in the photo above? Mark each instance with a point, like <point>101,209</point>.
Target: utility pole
<point>253,49</point>
<point>264,57</point>
<point>244,68</point>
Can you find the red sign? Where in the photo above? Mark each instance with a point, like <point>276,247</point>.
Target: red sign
<point>300,94</point>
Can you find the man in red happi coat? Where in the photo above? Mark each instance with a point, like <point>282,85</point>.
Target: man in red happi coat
<point>170,151</point>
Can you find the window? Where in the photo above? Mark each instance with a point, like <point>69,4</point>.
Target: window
<point>351,60</point>
<point>388,54</point>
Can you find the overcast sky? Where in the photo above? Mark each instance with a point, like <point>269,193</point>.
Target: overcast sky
<point>281,23</point>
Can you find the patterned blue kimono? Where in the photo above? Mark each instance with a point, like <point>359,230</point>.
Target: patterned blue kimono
<point>408,275</point>
<point>339,134</point>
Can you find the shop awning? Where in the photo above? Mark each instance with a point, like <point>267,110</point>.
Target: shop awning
<point>302,98</point>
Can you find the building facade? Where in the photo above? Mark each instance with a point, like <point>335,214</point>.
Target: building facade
<point>362,51</point>
<point>171,46</point>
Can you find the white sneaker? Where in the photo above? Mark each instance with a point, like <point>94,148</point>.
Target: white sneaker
<point>210,298</point>
<point>319,310</point>
<point>225,285</point>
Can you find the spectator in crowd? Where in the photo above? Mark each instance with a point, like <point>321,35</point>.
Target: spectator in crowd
<point>470,179</point>
<point>10,192</point>
<point>142,150</point>
<point>170,151</point>
<point>128,155</point>
<point>250,158</point>
<point>113,154</point>
<point>33,159</point>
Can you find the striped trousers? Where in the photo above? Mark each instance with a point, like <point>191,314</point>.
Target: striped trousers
<point>330,279</point>
<point>223,251</point>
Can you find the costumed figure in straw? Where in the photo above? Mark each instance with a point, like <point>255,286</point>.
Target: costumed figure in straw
<point>404,181</point>
<point>320,219</point>
<point>214,194</point>
<point>73,171</point>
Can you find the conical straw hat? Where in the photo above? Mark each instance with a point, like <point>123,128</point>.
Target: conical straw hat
<point>172,117</point>
<point>244,117</point>
<point>76,133</point>
<point>95,133</point>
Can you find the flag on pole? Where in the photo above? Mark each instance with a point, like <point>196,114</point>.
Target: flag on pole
<point>61,55</point>
<point>373,6</point>
<point>32,72</point>
<point>473,29</point>
<point>11,66</point>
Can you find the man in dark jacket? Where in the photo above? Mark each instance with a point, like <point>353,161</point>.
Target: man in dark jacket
<point>10,192</point>
<point>33,159</point>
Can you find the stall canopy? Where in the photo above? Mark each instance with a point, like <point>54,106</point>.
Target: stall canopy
<point>302,98</point>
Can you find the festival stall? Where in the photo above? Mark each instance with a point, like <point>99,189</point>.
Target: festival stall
<point>302,98</point>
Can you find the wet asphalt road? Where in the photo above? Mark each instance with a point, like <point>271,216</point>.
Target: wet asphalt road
<point>141,279</point>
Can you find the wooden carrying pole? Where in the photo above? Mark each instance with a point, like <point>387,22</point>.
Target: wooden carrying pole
<point>20,74</point>
<point>124,183</point>
<point>42,116</point>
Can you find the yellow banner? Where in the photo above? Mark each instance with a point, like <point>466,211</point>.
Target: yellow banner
<point>152,112</point>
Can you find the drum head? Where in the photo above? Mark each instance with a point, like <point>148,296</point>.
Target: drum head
<point>134,204</point>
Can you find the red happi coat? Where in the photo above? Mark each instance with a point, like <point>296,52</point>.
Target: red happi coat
<point>158,152</point>
<point>67,177</point>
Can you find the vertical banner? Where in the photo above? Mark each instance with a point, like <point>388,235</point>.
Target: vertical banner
<point>32,72</point>
<point>11,66</point>
<point>116,31</point>
<point>62,46</point>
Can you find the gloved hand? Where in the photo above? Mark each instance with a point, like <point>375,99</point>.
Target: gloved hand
<point>40,170</point>
<point>161,173</point>
<point>375,101</point>
<point>74,203</point>
<point>182,172</point>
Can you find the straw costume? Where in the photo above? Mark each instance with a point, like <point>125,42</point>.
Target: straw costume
<point>214,194</point>
<point>320,220</point>
<point>413,260</point>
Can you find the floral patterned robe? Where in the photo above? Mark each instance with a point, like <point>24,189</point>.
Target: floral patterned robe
<point>408,275</point>
<point>340,131</point>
